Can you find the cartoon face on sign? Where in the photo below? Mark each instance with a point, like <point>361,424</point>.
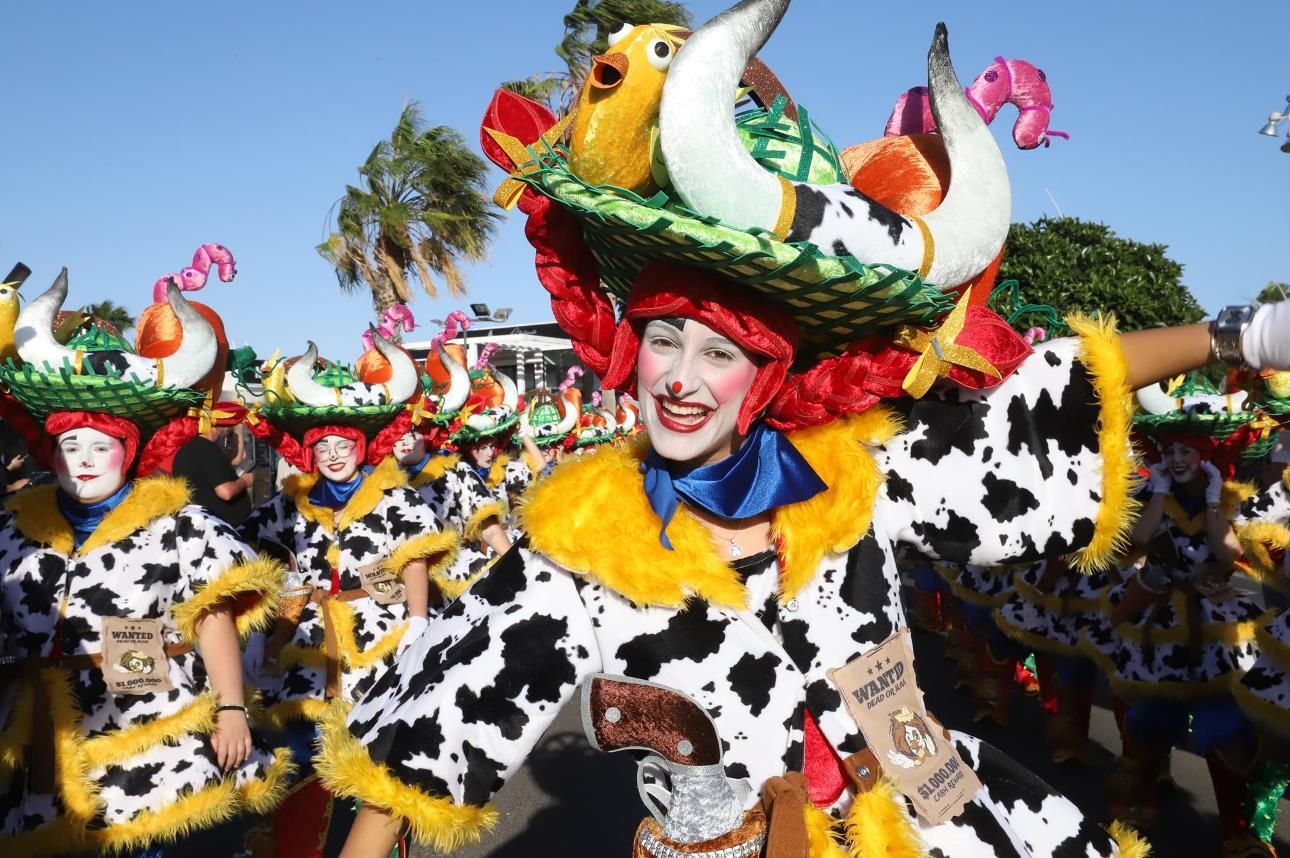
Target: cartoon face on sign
<point>913,741</point>
<point>133,661</point>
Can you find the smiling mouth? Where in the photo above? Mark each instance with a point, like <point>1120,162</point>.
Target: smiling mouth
<point>678,416</point>
<point>85,478</point>
<point>337,467</point>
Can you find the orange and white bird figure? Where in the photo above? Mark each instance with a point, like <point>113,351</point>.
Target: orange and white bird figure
<point>615,128</point>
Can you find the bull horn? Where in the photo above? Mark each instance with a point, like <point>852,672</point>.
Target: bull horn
<point>570,418</point>
<point>197,345</point>
<point>510,395</point>
<point>458,382</point>
<point>715,175</point>
<point>629,419</point>
<point>301,384</point>
<point>971,223</point>
<point>707,162</point>
<point>33,333</point>
<point>404,377</point>
<point>611,422</point>
<point>1153,400</point>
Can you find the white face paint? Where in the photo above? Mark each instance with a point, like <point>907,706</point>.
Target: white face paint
<point>411,448</point>
<point>336,458</point>
<point>692,382</point>
<point>89,465</point>
<point>1183,461</point>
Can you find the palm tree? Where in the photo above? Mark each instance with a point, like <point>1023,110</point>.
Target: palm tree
<point>586,31</point>
<point>114,314</point>
<point>420,209</point>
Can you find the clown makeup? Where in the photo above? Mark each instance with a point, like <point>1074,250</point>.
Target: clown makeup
<point>482,452</point>
<point>89,465</point>
<point>692,382</point>
<point>336,458</point>
<point>1183,461</point>
<point>411,448</point>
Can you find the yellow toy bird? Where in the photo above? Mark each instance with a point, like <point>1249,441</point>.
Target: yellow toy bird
<point>9,309</point>
<point>615,129</point>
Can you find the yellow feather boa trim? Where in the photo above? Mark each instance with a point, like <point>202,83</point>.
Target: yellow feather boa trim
<point>1258,539</point>
<point>17,733</point>
<point>821,837</point>
<point>473,525</point>
<point>1131,843</point>
<point>437,549</point>
<point>434,469</point>
<point>342,619</point>
<point>298,709</point>
<point>1033,641</point>
<point>605,492</point>
<point>260,578</point>
<point>346,768</point>
<point>452,588</point>
<point>387,475</point>
<point>36,514</point>
<point>878,825</point>
<point>1102,355</point>
<point>1138,689</point>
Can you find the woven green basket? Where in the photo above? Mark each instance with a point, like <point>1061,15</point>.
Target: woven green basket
<point>468,435</point>
<point>835,299</point>
<point>148,406</point>
<point>297,419</point>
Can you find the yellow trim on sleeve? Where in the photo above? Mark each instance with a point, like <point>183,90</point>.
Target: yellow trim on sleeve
<point>297,709</point>
<point>878,824</point>
<point>475,524</point>
<point>17,734</point>
<point>261,577</point>
<point>452,588</point>
<point>1102,355</point>
<point>436,548</point>
<point>342,618</point>
<point>1036,642</point>
<point>1257,539</point>
<point>1130,843</point>
<point>346,768</point>
<point>197,717</point>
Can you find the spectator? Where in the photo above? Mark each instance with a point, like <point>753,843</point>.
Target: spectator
<point>216,486</point>
<point>18,467</point>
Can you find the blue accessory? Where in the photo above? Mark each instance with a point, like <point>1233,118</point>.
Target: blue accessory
<point>415,470</point>
<point>766,472</point>
<point>85,517</point>
<point>332,495</point>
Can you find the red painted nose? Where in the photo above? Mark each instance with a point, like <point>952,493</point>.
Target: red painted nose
<point>676,387</point>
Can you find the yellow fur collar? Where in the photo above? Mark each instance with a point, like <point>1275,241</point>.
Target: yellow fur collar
<point>434,469</point>
<point>37,517</point>
<point>387,475</point>
<point>592,517</point>
<point>1234,494</point>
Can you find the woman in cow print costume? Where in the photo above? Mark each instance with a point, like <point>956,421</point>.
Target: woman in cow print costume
<point>480,489</point>
<point>1174,636</point>
<point>746,548</point>
<point>364,551</point>
<point>121,607</point>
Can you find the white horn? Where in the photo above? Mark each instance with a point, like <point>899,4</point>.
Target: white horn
<point>510,396</point>
<point>570,418</point>
<point>971,223</point>
<point>458,382</point>
<point>33,333</point>
<point>404,377</point>
<point>716,176</point>
<point>300,381</point>
<point>629,419</point>
<point>708,165</point>
<point>197,346</point>
<point>1153,400</point>
<point>610,420</point>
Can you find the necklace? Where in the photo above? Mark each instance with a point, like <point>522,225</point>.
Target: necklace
<point>734,549</point>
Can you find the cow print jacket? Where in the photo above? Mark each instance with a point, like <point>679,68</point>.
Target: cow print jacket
<point>987,478</point>
<point>384,523</point>
<point>129,769</point>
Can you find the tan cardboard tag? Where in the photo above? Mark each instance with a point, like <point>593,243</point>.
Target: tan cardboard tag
<point>134,656</point>
<point>384,587</point>
<point>883,697</point>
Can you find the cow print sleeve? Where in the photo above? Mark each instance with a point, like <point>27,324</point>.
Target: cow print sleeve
<point>268,522</point>
<point>1263,527</point>
<point>518,477</point>
<point>1039,465</point>
<point>217,571</point>
<point>444,727</point>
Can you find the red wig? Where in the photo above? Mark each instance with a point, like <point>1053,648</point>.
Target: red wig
<point>115,427</point>
<point>300,452</point>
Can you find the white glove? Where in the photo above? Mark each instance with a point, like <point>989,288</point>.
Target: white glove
<point>1213,491</point>
<point>1159,480</point>
<point>1266,343</point>
<point>416,628</point>
<point>253,658</point>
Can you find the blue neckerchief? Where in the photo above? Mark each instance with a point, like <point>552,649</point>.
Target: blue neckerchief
<point>766,472</point>
<point>85,517</point>
<point>483,472</point>
<point>414,471</point>
<point>335,495</point>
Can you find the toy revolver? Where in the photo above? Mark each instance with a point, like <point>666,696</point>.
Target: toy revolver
<point>696,809</point>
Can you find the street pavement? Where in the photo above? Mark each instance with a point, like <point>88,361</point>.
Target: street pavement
<point>569,800</point>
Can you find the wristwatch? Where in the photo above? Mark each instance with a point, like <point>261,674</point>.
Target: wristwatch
<point>1225,334</point>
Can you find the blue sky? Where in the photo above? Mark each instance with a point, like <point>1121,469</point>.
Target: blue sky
<point>134,132</point>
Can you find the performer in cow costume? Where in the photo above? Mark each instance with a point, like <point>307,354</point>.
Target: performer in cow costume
<point>807,407</point>
<point>364,550</point>
<point>123,725</point>
<point>1175,635</point>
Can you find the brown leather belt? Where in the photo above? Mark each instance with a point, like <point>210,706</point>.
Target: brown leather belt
<point>89,661</point>
<point>284,630</point>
